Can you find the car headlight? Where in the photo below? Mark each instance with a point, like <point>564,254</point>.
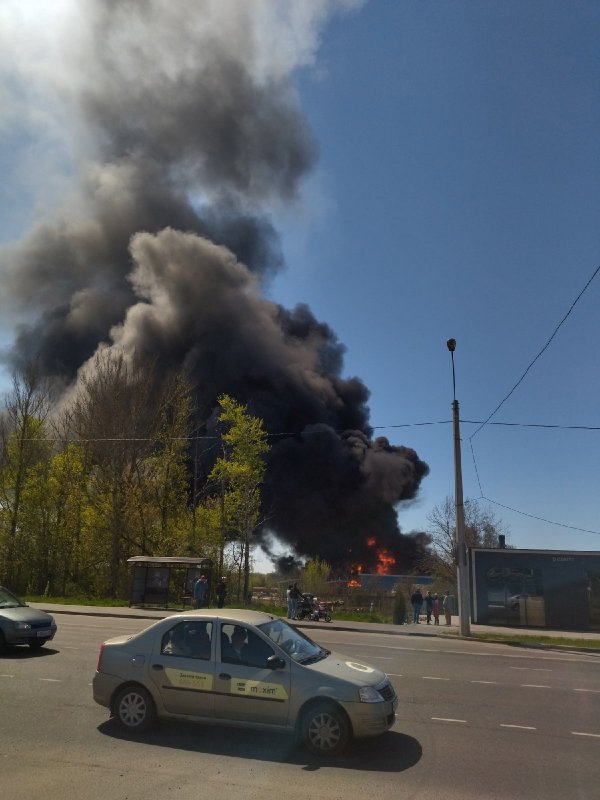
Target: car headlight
<point>22,626</point>
<point>368,694</point>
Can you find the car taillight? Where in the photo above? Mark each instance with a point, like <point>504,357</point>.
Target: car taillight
<point>99,664</point>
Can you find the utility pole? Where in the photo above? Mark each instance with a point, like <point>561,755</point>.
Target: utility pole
<point>462,566</point>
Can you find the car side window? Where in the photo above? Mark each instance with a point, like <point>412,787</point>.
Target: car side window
<point>188,639</point>
<point>240,645</point>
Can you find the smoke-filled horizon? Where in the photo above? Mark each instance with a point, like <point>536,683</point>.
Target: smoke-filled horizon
<point>183,131</point>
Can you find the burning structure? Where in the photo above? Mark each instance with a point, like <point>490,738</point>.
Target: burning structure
<point>181,130</point>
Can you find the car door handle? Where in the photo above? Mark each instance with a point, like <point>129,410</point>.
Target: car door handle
<point>157,666</point>
<point>225,676</point>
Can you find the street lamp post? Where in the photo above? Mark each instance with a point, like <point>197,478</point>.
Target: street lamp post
<point>462,571</point>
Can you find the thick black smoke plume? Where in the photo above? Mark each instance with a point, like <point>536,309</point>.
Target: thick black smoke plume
<point>188,131</point>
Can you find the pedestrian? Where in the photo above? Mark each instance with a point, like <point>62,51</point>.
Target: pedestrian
<point>295,595</point>
<point>428,606</point>
<point>221,591</point>
<point>200,592</point>
<point>416,599</point>
<point>448,606</point>
<point>437,607</point>
<point>290,605</point>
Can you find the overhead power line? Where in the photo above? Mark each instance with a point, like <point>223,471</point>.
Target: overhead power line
<point>544,348</point>
<point>540,519</point>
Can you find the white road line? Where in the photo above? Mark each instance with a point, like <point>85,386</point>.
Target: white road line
<point>533,669</point>
<point>394,674</point>
<point>495,683</point>
<point>595,691</point>
<point>446,719</point>
<point>535,686</point>
<point>50,680</point>
<point>593,735</point>
<point>431,678</point>
<point>7,676</point>
<point>519,727</point>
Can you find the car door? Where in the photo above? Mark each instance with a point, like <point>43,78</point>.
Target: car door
<point>246,689</point>
<point>182,668</point>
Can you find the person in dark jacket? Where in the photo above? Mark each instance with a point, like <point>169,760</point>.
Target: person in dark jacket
<point>428,606</point>
<point>221,592</point>
<point>416,599</point>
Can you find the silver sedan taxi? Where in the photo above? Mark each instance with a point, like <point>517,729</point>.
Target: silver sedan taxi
<point>246,669</point>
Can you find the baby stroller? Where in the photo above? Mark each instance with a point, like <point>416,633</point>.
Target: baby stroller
<point>310,607</point>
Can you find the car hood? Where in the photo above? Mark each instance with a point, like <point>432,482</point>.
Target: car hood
<point>342,667</point>
<point>25,614</point>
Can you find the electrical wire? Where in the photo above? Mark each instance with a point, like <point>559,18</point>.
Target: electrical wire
<point>544,348</point>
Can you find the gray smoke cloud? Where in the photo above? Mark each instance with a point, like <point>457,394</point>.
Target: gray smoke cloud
<point>183,131</point>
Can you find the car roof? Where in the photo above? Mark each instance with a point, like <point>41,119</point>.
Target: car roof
<point>228,615</point>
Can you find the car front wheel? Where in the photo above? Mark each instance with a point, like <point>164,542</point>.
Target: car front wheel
<point>134,708</point>
<point>325,729</point>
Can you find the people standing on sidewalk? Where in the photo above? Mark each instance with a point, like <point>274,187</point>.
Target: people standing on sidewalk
<point>448,606</point>
<point>428,606</point>
<point>437,607</point>
<point>295,595</point>
<point>200,592</point>
<point>221,591</point>
<point>416,599</point>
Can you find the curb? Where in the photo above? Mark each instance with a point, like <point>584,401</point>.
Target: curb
<point>108,612</point>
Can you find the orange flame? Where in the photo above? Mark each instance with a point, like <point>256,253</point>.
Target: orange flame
<point>385,561</point>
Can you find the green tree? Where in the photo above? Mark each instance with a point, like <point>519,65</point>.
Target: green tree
<point>315,575</point>
<point>239,473</point>
<point>24,447</point>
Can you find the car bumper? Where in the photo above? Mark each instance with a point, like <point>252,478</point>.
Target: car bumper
<point>104,687</point>
<point>15,636</point>
<point>371,719</point>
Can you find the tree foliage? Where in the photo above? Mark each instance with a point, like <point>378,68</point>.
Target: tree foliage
<point>104,480</point>
<point>240,472</point>
<point>482,528</point>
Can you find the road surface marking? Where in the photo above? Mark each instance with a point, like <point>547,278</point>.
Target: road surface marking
<point>535,686</point>
<point>394,674</point>
<point>51,680</point>
<point>520,727</point>
<point>533,669</point>
<point>7,676</point>
<point>595,691</point>
<point>494,682</point>
<point>447,719</point>
<point>593,735</point>
<point>430,678</point>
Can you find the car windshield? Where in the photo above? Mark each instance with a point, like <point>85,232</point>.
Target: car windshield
<point>295,644</point>
<point>8,600</point>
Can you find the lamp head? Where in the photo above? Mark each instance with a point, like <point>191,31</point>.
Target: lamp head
<point>451,345</point>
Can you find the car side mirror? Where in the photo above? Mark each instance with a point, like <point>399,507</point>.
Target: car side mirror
<point>275,662</point>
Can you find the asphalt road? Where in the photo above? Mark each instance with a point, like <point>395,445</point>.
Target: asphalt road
<point>474,721</point>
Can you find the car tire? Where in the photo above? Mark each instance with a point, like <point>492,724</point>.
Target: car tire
<point>325,729</point>
<point>2,642</point>
<point>134,708</point>
<point>37,643</point>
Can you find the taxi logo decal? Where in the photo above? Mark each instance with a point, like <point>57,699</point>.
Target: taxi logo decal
<point>359,667</point>
<point>261,689</point>
<point>183,679</point>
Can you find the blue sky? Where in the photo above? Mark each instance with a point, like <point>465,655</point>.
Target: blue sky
<point>456,195</point>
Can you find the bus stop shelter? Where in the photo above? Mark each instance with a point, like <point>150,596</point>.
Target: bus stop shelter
<point>165,581</point>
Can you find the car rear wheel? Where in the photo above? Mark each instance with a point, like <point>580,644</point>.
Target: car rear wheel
<point>325,729</point>
<point>134,708</point>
